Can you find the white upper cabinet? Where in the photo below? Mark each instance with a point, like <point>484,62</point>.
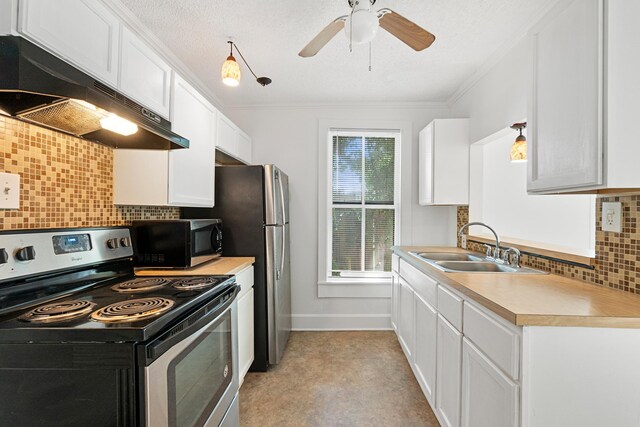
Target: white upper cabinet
<point>191,171</point>
<point>233,141</point>
<point>83,32</point>
<point>144,76</point>
<point>183,177</point>
<point>444,163</point>
<point>584,96</point>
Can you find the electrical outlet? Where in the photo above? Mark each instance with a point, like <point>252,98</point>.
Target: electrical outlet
<point>612,216</point>
<point>463,241</point>
<point>9,191</point>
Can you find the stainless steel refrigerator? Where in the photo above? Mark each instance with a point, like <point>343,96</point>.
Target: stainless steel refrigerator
<point>253,203</point>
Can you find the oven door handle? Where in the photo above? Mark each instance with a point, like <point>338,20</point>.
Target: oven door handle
<point>160,345</point>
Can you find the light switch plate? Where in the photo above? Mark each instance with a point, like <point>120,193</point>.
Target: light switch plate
<point>612,216</point>
<point>9,191</point>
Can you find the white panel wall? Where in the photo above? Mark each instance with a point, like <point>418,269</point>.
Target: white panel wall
<point>288,137</point>
<point>498,197</point>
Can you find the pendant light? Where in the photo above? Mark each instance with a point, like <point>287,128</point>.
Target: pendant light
<point>231,73</point>
<point>518,151</point>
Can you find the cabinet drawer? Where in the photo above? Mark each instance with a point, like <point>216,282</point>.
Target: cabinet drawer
<point>422,284</point>
<point>450,306</point>
<point>495,339</point>
<point>245,280</point>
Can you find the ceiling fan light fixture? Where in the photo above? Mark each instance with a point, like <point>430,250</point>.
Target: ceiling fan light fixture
<point>363,26</point>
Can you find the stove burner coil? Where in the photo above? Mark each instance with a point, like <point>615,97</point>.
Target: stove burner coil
<point>140,285</point>
<point>59,311</point>
<point>133,310</point>
<point>193,283</point>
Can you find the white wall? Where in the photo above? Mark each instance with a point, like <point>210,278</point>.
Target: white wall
<point>288,137</point>
<point>499,97</point>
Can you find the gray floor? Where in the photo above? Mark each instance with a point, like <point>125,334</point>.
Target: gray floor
<point>337,379</point>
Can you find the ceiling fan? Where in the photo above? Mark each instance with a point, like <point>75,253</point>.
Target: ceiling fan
<point>361,26</point>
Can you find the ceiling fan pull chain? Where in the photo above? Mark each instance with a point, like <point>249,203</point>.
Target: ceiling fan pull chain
<point>353,8</point>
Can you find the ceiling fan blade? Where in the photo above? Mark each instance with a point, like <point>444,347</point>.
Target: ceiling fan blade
<point>411,34</point>
<point>323,38</point>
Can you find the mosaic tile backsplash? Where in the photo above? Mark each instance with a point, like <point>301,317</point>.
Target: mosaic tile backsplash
<point>617,254</point>
<point>65,181</point>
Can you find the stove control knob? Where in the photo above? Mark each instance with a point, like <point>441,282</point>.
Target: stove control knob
<point>112,243</point>
<point>125,242</point>
<point>26,254</point>
<point>4,257</point>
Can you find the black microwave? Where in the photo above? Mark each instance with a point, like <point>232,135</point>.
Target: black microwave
<point>178,243</point>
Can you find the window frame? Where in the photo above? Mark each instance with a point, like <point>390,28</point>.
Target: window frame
<point>351,275</point>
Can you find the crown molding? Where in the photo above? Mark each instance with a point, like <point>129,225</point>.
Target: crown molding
<point>135,25</point>
<point>500,53</point>
<point>343,105</point>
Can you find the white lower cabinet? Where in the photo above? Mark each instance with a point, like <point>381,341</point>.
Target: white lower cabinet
<point>426,326</point>
<point>489,397</point>
<point>449,354</point>
<point>405,319</point>
<point>245,321</point>
<point>395,289</point>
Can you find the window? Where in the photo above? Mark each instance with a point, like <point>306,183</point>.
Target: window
<point>363,203</point>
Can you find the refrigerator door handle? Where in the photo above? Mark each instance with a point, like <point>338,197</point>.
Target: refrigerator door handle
<point>284,236</point>
<point>282,201</point>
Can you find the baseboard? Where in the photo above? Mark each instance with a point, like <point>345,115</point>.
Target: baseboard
<point>341,322</point>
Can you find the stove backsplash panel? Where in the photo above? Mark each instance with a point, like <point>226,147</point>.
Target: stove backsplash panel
<point>65,181</point>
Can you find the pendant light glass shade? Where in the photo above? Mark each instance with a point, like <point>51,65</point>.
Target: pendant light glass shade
<point>519,149</point>
<point>231,74</point>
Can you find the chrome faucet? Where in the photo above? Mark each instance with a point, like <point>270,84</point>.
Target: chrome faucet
<point>516,257</point>
<point>496,252</point>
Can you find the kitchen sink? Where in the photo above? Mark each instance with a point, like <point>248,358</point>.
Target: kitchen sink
<point>446,256</point>
<point>451,262</point>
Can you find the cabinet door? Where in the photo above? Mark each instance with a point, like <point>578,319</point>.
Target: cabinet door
<point>83,32</point>
<point>244,147</point>
<point>405,319</point>
<point>395,300</point>
<point>144,76</point>
<point>448,369</point>
<point>489,398</point>
<point>245,333</point>
<point>426,327</point>
<point>227,136</point>
<point>566,111</point>
<point>425,166</point>
<point>192,170</point>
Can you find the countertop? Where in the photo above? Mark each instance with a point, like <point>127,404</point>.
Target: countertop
<point>224,265</point>
<point>536,299</point>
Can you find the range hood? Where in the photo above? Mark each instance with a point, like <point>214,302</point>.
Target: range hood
<point>37,87</point>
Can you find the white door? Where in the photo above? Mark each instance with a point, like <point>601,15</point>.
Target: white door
<point>426,329</point>
<point>192,170</point>
<point>489,397</point>
<point>566,110</point>
<point>245,333</point>
<point>227,137</point>
<point>406,319</point>
<point>83,32</point>
<point>449,352</point>
<point>144,76</point>
<point>425,165</point>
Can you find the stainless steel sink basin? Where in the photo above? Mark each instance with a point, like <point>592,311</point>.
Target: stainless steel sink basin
<point>451,262</point>
<point>447,256</point>
<point>481,266</point>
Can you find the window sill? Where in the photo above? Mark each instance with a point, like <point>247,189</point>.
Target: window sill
<point>355,288</point>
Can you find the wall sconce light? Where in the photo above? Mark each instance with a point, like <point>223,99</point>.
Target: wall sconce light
<point>518,151</point>
<point>231,73</point>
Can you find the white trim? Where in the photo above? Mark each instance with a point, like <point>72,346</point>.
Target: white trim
<point>351,288</point>
<point>438,105</point>
<point>341,322</point>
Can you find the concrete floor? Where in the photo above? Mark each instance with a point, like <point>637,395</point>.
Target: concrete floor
<point>337,379</point>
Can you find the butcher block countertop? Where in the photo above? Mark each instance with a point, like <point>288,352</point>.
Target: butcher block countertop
<point>536,299</point>
<point>224,265</point>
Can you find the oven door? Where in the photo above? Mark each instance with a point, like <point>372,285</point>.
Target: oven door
<point>194,382</point>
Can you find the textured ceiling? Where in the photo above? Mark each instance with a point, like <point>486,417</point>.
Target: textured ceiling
<point>270,33</point>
